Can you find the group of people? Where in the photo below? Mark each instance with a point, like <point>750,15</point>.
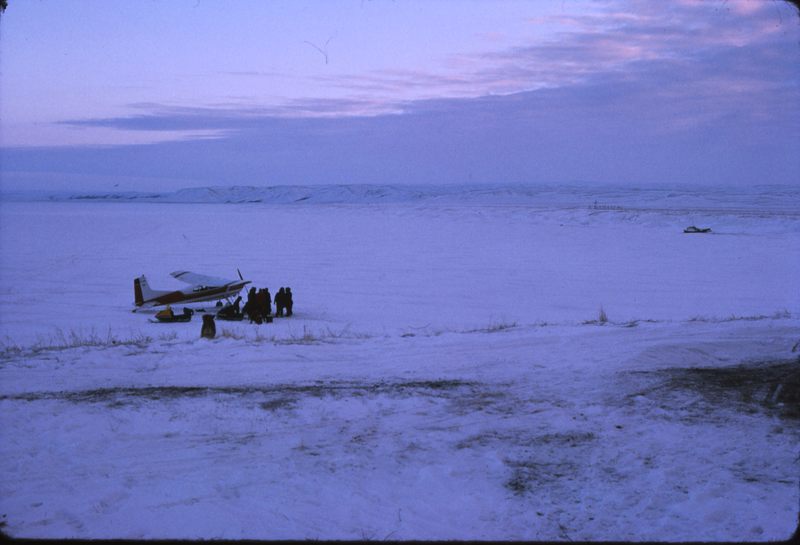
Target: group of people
<point>258,307</point>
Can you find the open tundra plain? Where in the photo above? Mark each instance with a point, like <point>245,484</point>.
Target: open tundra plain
<point>447,373</point>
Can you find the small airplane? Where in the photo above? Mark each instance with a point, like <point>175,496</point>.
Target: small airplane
<point>204,288</point>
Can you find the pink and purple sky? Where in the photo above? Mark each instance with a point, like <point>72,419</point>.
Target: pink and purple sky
<point>164,94</point>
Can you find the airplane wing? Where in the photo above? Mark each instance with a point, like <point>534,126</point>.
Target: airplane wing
<point>199,279</point>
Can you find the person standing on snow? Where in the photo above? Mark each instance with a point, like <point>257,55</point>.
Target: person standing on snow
<point>262,299</point>
<point>250,307</point>
<point>288,301</point>
<point>251,296</point>
<point>280,302</point>
<point>268,303</point>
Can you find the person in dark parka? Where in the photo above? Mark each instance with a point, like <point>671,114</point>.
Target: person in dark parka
<point>251,295</point>
<point>288,301</point>
<point>268,307</point>
<point>261,303</point>
<point>280,302</point>
<point>251,307</point>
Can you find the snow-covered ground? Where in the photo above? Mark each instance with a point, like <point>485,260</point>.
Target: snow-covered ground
<point>444,376</point>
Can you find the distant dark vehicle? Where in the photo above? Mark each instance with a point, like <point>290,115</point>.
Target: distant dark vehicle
<point>168,317</point>
<point>231,317</point>
<point>231,312</point>
<point>693,229</point>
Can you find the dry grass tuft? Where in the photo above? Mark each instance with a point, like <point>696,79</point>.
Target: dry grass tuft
<point>61,340</point>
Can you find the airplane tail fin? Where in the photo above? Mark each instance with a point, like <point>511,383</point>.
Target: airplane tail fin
<point>137,291</point>
<point>142,291</point>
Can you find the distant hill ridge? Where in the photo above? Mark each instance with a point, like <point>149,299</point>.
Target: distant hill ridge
<point>601,197</point>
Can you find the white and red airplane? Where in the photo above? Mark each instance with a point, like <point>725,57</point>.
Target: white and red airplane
<point>204,288</point>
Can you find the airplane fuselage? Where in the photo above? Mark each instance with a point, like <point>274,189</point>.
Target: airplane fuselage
<point>150,298</point>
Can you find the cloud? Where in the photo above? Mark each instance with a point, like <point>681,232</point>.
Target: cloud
<point>755,82</point>
<point>623,97</point>
<point>599,37</point>
<point>730,118</point>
